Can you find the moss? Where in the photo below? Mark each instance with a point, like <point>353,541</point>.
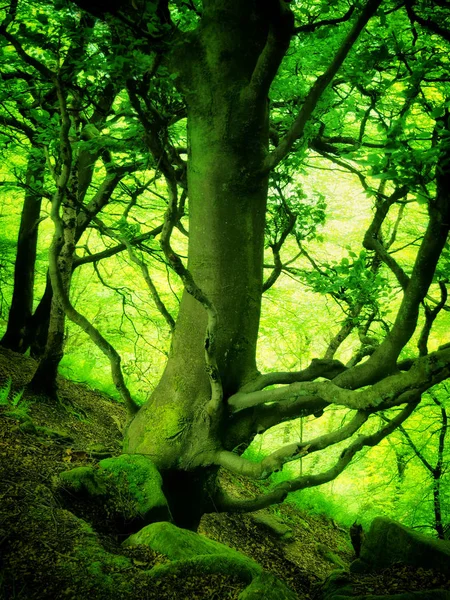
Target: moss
<point>181,544</point>
<point>193,553</point>
<point>207,565</point>
<point>130,484</point>
<point>153,435</point>
<point>388,542</point>
<point>138,478</point>
<point>84,480</point>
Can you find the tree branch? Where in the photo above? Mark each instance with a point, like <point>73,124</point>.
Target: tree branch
<point>430,317</point>
<point>288,453</point>
<point>311,27</point>
<point>425,372</point>
<point>224,503</point>
<point>280,32</point>
<point>319,87</point>
<point>57,283</point>
<point>318,368</point>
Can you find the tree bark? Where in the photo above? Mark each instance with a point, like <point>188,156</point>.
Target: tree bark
<point>227,143</point>
<point>16,335</point>
<point>44,379</point>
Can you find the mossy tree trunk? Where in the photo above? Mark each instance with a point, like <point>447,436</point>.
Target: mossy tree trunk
<point>211,401</point>
<point>227,144</point>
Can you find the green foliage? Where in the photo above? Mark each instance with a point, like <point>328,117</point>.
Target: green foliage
<point>4,393</point>
<point>381,124</point>
<point>15,402</point>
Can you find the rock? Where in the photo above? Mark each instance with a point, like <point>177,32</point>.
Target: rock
<point>84,480</point>
<point>131,482</point>
<point>328,555</point>
<point>180,544</point>
<point>273,525</point>
<point>388,542</point>
<point>194,553</point>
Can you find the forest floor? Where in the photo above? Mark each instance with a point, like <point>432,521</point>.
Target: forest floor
<point>40,438</point>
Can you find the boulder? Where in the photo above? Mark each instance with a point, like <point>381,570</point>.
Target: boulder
<point>194,553</point>
<point>130,482</point>
<point>389,542</point>
<point>181,544</point>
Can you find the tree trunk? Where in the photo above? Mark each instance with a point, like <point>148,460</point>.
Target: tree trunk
<point>40,322</point>
<point>16,335</point>
<point>438,524</point>
<point>44,379</point>
<point>227,203</point>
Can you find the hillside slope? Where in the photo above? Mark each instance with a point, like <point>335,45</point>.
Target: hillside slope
<point>41,536</point>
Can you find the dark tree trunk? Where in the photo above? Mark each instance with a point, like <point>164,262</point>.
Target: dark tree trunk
<point>438,524</point>
<point>39,323</point>
<point>17,335</point>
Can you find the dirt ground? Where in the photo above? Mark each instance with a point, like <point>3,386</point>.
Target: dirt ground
<point>40,535</point>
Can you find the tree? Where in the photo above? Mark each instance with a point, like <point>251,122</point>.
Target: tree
<point>223,62</point>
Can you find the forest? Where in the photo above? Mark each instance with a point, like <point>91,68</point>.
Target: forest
<point>224,313</point>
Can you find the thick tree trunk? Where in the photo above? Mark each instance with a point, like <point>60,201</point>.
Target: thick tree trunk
<point>227,142</point>
<point>16,335</point>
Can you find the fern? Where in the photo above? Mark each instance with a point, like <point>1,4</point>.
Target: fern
<point>17,397</point>
<point>4,393</point>
<point>20,410</point>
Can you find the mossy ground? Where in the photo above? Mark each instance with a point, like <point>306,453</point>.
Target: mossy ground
<point>48,552</point>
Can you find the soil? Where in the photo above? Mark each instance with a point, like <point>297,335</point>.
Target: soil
<point>41,437</point>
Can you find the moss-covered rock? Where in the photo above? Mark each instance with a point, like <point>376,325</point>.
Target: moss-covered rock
<point>388,542</point>
<point>191,552</point>
<point>181,544</point>
<point>142,481</point>
<point>84,480</point>
<point>131,483</point>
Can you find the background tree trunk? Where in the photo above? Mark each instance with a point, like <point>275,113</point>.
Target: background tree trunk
<point>44,379</point>
<point>16,334</point>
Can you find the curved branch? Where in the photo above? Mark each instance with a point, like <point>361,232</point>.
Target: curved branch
<point>288,453</point>
<point>281,29</point>
<point>279,493</point>
<point>311,27</point>
<point>430,317</point>
<point>425,372</point>
<point>151,286</point>
<point>319,367</point>
<point>116,249</point>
